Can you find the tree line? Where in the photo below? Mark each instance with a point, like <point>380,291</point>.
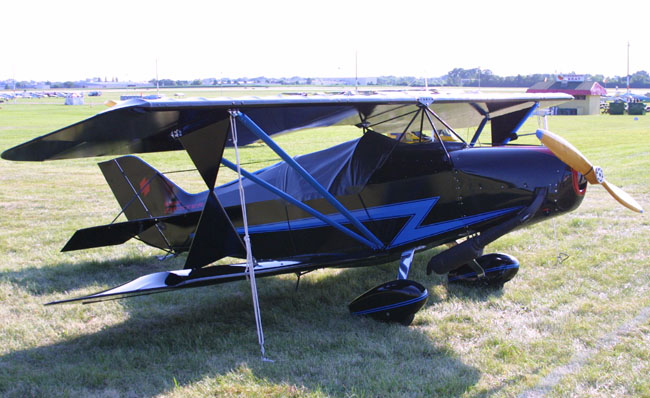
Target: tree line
<point>474,77</point>
<point>485,78</point>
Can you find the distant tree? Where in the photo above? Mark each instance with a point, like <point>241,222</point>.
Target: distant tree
<point>197,82</point>
<point>640,79</point>
<point>167,82</point>
<point>455,76</point>
<point>68,84</point>
<point>597,78</point>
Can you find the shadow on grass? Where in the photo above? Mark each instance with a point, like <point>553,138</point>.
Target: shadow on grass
<point>474,293</point>
<point>69,276</point>
<point>206,337</point>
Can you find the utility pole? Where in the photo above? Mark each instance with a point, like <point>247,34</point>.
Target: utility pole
<point>628,67</point>
<point>157,87</point>
<point>14,73</point>
<point>356,71</point>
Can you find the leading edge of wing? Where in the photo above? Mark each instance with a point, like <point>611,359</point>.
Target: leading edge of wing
<point>378,97</point>
<point>181,279</point>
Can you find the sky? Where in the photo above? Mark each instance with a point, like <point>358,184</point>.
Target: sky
<point>187,39</point>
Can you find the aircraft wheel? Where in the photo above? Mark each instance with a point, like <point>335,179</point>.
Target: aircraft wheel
<point>499,268</point>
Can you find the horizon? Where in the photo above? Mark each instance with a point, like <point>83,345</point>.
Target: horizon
<point>109,81</point>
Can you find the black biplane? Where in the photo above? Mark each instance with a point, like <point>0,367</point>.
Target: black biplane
<point>371,200</point>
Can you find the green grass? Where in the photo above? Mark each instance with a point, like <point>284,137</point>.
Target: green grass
<point>202,342</point>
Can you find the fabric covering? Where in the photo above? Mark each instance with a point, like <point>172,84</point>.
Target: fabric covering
<point>342,169</point>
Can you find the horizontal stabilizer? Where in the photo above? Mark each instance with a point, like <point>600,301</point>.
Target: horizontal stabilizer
<point>180,279</point>
<point>106,235</point>
<point>118,233</point>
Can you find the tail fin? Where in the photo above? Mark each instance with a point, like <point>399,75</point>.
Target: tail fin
<point>144,194</point>
<point>142,191</point>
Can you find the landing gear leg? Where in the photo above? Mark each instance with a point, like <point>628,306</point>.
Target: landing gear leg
<point>405,262</point>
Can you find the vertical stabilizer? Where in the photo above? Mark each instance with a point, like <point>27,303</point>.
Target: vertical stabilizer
<point>142,191</point>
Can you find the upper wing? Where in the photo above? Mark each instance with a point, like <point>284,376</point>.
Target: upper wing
<point>139,126</point>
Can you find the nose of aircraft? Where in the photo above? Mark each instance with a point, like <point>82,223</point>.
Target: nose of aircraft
<point>577,161</point>
<point>569,192</point>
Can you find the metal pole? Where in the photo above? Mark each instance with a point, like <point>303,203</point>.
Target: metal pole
<point>157,86</point>
<point>250,264</point>
<point>628,67</point>
<point>356,71</point>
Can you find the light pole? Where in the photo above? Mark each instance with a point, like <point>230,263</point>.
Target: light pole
<point>628,67</point>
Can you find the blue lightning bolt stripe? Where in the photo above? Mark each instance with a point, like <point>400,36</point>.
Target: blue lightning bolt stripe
<point>412,231</point>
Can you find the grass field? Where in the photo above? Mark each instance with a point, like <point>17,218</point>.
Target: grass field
<point>580,328</point>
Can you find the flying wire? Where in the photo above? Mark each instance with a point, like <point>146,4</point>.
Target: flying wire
<point>249,253</point>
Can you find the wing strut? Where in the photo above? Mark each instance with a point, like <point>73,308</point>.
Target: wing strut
<point>513,133</point>
<point>247,240</point>
<point>255,129</point>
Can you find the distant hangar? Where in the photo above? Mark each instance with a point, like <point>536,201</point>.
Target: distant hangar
<point>586,93</point>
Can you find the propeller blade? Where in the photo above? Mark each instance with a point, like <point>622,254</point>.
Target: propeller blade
<point>622,197</point>
<point>567,153</point>
<point>578,162</point>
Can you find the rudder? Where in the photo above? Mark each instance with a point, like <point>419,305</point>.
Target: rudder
<point>142,191</point>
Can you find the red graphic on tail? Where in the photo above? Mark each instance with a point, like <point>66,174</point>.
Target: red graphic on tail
<point>144,187</point>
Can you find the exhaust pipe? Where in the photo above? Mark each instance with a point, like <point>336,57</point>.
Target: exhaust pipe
<point>472,248</point>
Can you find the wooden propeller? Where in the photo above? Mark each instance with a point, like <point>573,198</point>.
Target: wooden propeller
<point>577,161</point>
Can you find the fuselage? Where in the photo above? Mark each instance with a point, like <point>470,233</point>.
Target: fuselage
<point>418,195</point>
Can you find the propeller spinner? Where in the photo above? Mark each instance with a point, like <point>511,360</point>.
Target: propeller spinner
<point>577,161</point>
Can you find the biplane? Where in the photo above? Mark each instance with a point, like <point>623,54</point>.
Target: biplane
<point>409,182</point>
